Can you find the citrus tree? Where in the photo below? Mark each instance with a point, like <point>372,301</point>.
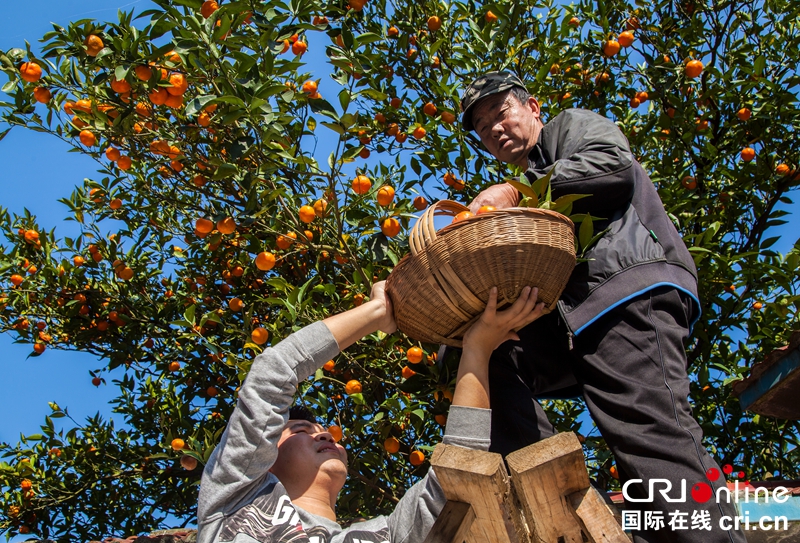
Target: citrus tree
<point>244,191</point>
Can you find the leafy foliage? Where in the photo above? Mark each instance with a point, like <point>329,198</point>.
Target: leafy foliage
<point>145,286</point>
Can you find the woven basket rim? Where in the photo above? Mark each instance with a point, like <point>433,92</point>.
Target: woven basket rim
<point>506,211</point>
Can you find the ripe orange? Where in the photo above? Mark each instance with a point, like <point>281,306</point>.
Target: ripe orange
<point>448,117</point>
<point>401,137</point>
<point>416,458</point>
<point>286,240</point>
<point>30,72</point>
<point>395,103</point>
<point>434,23</point>
<point>227,225</point>
<point>78,260</point>
<point>611,48</point>
<point>748,154</point>
<point>236,304</point>
<point>391,445</point>
<point>393,32</point>
<point>93,45</point>
<point>407,372</point>
<point>174,366</point>
<point>642,96</point>
<point>259,336</point>
<point>459,184</point>
<point>115,204</point>
<point>203,226</point>
<point>411,52</point>
<point>307,214</point>
<point>42,95</point>
<point>179,84</point>
<point>88,138</point>
<point>188,462</point>
<point>614,472</point>
<point>299,47</point>
<point>420,203</point>
<point>385,195</point>
<point>143,109</point>
<point>310,87</point>
<point>419,132</point>
<point>429,109</point>
<point>31,236</point>
<point>158,96</point>
<point>174,101</point>
<point>320,206</point>
<point>485,209</point>
<point>212,391</point>
<point>357,5</point>
<point>689,182</point>
<point>39,348</point>
<point>626,39</point>
<point>353,386</point>
<point>441,420</point>
<point>25,484</point>
<point>208,7</point>
<point>414,355</point>
<point>743,114</point>
<point>390,227</point>
<point>178,444</point>
<point>693,68</point>
<point>125,273</point>
<point>757,305</point>
<point>463,215</point>
<point>329,365</point>
<point>449,179</point>
<point>124,162</point>
<point>265,261</point>
<point>120,86</point>
<point>335,432</point>
<point>143,73</point>
<point>490,17</point>
<point>17,279</point>
<point>112,154</point>
<point>361,184</point>
<point>782,169</point>
<point>574,22</point>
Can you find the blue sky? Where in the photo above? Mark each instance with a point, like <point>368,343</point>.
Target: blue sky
<point>37,171</point>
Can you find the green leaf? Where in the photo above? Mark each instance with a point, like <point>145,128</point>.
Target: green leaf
<point>525,189</point>
<point>585,232</point>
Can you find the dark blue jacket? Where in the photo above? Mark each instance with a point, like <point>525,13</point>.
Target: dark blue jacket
<point>642,249</point>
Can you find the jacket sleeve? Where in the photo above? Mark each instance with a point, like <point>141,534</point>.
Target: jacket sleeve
<point>589,155</point>
<point>416,512</point>
<point>248,447</point>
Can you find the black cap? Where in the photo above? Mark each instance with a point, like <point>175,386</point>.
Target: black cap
<point>484,86</point>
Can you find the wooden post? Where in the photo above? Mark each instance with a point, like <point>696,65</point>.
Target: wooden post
<point>453,524</point>
<point>595,518</point>
<point>480,479</point>
<point>542,475</point>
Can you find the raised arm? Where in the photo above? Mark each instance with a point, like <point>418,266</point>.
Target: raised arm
<point>469,421</point>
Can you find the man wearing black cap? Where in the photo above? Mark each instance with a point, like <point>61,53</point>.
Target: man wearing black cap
<point>618,336</point>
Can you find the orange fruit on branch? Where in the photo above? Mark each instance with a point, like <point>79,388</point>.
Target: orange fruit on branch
<point>259,336</point>
<point>227,225</point>
<point>30,72</point>
<point>490,17</point>
<point>385,195</point>
<point>113,154</point>
<point>143,73</point>
<point>416,458</point>
<point>188,463</point>
<point>94,44</point>
<point>420,203</point>
<point>626,38</point>
<point>178,444</point>
<point>390,227</point>
<point>307,214</point>
<point>335,432</point>
<point>429,109</point>
<point>179,84</point>
<point>391,445</point>
<point>743,114</point>
<point>353,386</point>
<point>299,47</point>
<point>208,7</point>
<point>693,68</point>
<point>611,48</point>
<point>434,23</point>
<point>748,154</point>
<point>310,87</point>
<point>235,304</point>
<point>419,132</point>
<point>361,184</point>
<point>88,138</point>
<point>414,355</point>
<point>204,226</point>
<point>42,95</point>
<point>120,86</point>
<point>265,261</point>
<point>285,241</point>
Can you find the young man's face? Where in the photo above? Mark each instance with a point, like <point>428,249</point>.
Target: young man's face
<point>306,448</point>
<point>507,128</point>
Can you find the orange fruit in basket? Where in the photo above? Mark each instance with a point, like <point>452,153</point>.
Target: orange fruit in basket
<point>463,215</point>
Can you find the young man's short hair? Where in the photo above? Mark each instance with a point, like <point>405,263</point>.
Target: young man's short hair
<point>301,412</point>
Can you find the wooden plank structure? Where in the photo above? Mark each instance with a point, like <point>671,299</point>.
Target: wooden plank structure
<point>772,387</point>
<point>547,498</point>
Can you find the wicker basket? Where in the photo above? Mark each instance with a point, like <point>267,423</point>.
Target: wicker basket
<point>441,287</point>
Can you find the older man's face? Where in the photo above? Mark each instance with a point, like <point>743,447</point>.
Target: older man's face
<point>507,128</point>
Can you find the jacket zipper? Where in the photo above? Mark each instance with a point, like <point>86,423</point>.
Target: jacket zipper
<point>561,312</point>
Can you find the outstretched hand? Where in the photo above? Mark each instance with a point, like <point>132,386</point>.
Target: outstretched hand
<point>378,295</point>
<point>495,327</point>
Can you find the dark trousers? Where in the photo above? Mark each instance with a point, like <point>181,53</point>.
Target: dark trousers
<point>630,367</point>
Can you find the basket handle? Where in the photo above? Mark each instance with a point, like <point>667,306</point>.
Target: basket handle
<point>424,233</point>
